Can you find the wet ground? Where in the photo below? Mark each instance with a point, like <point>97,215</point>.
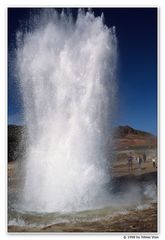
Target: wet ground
<point>103,220</point>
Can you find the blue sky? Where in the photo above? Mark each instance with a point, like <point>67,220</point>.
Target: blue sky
<point>137,67</point>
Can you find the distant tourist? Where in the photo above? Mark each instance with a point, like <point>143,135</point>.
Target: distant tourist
<point>144,157</point>
<point>140,161</point>
<point>153,162</point>
<point>130,159</point>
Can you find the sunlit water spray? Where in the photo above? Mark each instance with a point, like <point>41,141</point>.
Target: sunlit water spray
<point>67,70</point>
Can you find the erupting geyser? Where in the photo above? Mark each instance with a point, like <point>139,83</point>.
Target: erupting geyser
<point>66,69</point>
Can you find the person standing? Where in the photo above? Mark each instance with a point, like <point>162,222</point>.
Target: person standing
<point>153,162</point>
<point>144,157</point>
<point>140,161</point>
<point>130,159</point>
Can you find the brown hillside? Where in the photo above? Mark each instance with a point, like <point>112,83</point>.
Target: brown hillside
<point>127,137</point>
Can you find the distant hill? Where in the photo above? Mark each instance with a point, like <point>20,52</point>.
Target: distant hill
<point>126,137</point>
<point>123,131</point>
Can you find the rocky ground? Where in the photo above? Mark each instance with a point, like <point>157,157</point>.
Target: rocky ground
<point>135,221</point>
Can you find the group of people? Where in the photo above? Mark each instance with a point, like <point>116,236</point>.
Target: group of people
<point>139,159</point>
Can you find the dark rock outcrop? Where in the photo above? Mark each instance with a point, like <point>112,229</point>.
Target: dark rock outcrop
<point>16,142</point>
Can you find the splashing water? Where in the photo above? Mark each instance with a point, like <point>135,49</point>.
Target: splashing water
<point>66,70</point>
